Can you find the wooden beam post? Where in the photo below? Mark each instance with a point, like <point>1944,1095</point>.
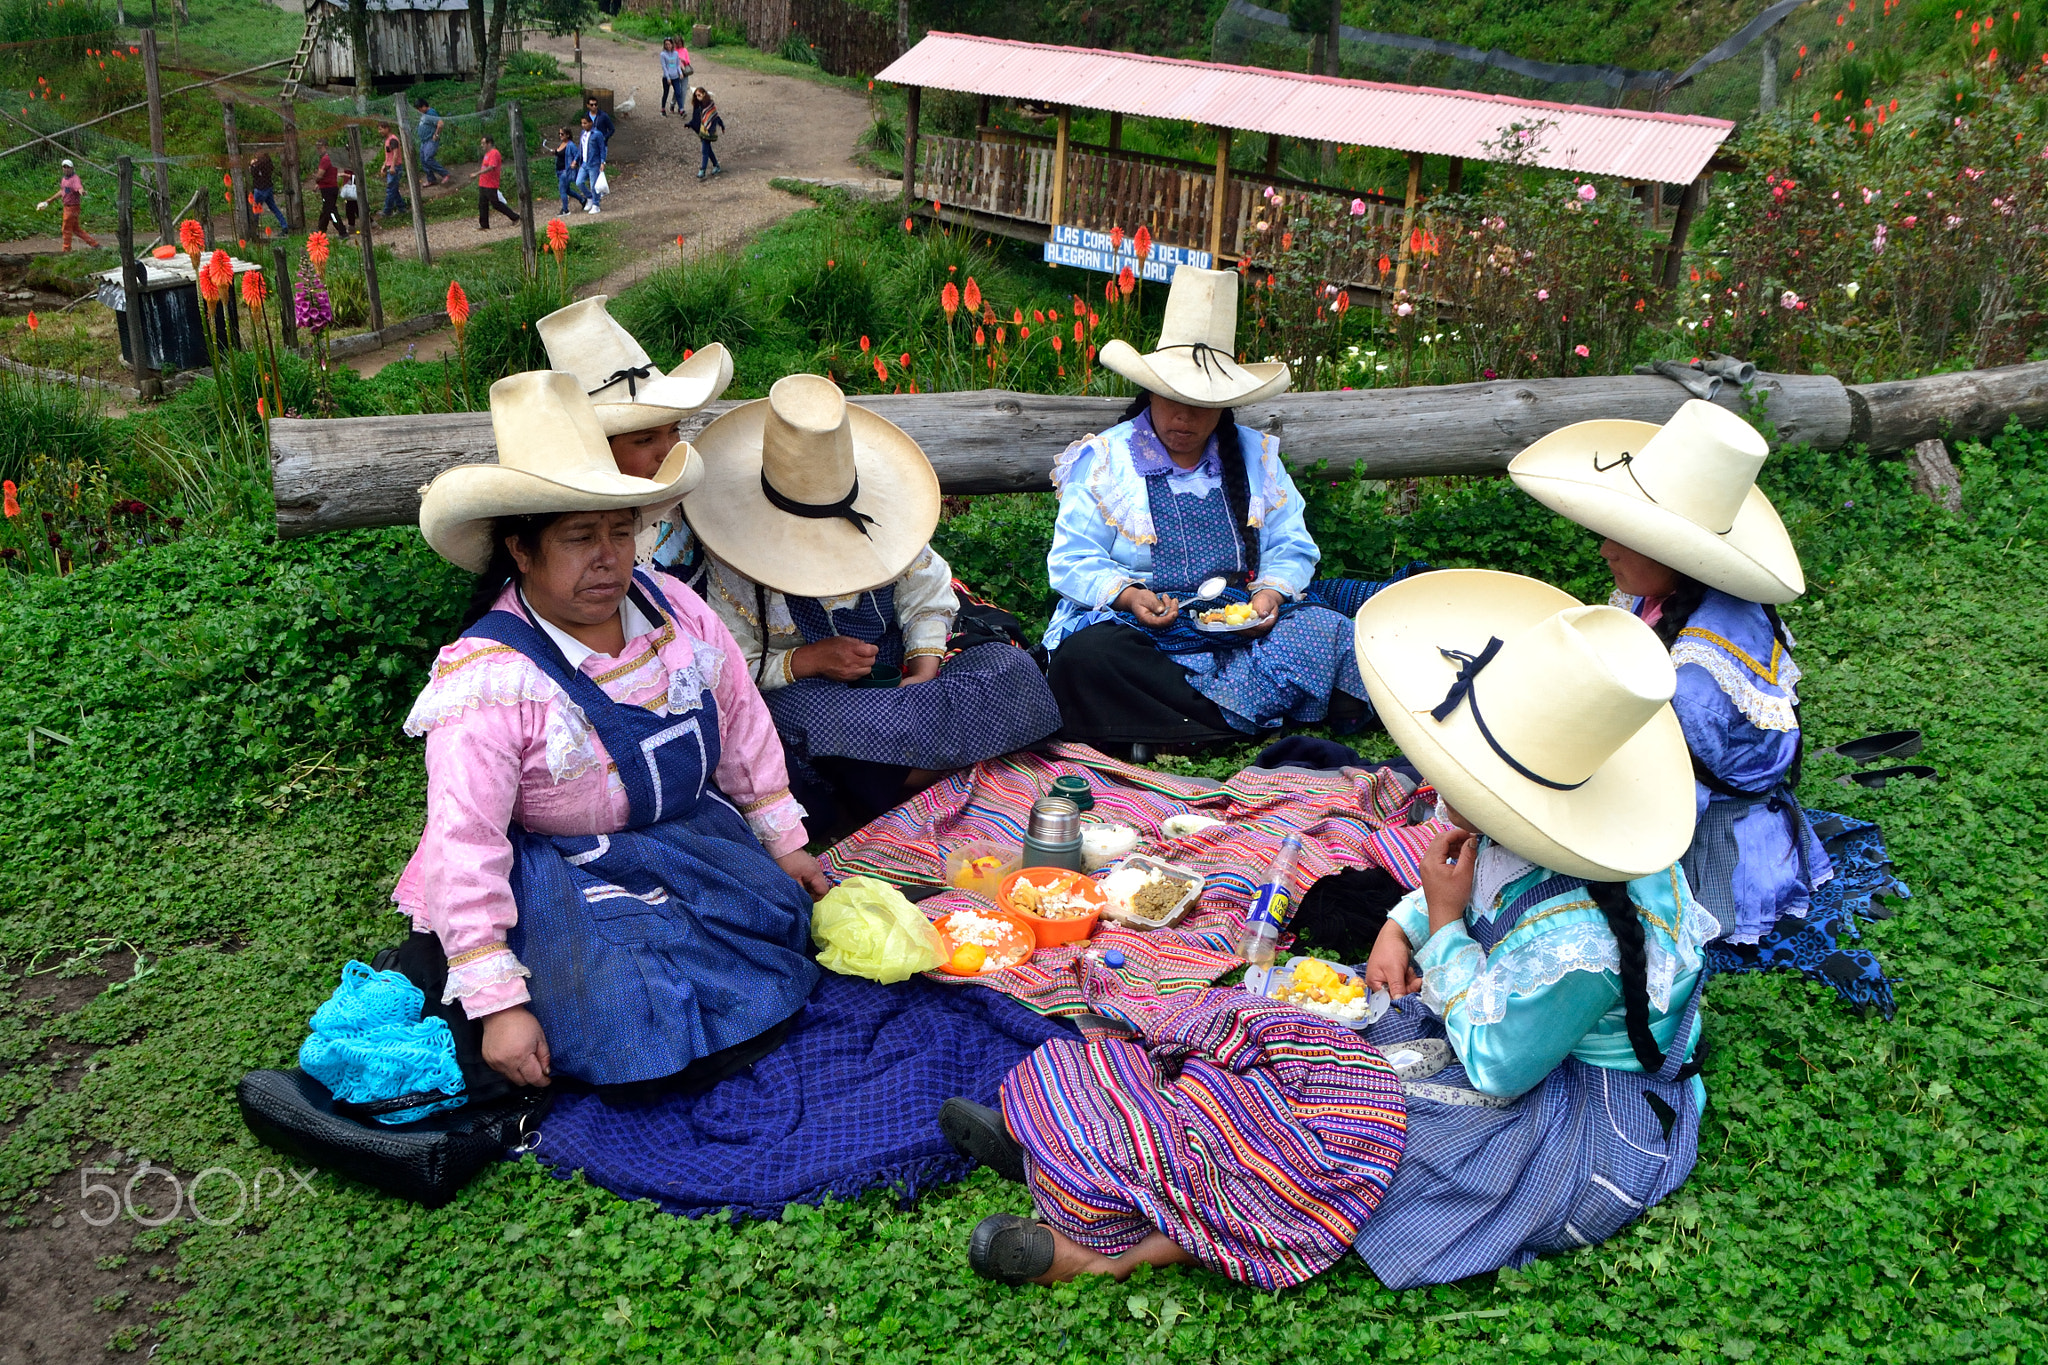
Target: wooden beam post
<point>239,222</point>
<point>1674,256</point>
<point>131,275</point>
<point>161,199</point>
<point>294,196</point>
<point>1221,203</point>
<point>411,154</point>
<point>1116,132</point>
<point>287,311</point>
<point>981,115</point>
<point>515,129</point>
<point>1059,164</point>
<point>363,217</point>
<point>910,148</point>
<point>1457,178</point>
<point>1272,154</point>
<point>1408,217</point>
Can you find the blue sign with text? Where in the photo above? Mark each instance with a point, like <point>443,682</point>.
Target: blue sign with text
<point>1090,250</point>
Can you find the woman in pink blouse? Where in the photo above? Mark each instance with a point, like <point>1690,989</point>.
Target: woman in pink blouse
<point>612,860</point>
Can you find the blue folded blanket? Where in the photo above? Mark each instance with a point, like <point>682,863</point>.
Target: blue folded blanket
<point>848,1104</point>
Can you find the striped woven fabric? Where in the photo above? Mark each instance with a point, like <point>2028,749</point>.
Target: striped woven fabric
<point>1256,1137</point>
<point>1355,820</point>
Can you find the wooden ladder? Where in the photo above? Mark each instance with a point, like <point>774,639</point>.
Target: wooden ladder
<point>297,71</point>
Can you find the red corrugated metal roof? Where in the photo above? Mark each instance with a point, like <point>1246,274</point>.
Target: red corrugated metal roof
<point>1671,148</point>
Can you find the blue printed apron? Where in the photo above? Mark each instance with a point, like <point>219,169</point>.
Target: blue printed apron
<point>674,938</point>
<point>1290,673</point>
<point>1487,1183</point>
<point>988,700</point>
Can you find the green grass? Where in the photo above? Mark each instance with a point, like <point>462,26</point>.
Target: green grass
<point>238,802</point>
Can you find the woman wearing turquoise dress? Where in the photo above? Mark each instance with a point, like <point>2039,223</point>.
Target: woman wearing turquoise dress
<point>1176,495</point>
<point>1547,977</point>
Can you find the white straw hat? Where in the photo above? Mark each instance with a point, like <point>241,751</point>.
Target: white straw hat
<point>1545,723</point>
<point>1684,494</point>
<point>630,392</point>
<point>813,496</point>
<point>552,457</point>
<point>1196,359</point>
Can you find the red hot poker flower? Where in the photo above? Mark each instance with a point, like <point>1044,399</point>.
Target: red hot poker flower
<point>949,299</point>
<point>9,503</point>
<point>317,247</point>
<point>1116,239</point>
<point>972,296</point>
<point>1142,243</point>
<point>33,324</point>
<point>191,237</point>
<point>252,288</point>
<point>864,345</point>
<point>458,306</point>
<point>904,360</point>
<point>882,368</point>
<point>1126,281</point>
<point>558,236</point>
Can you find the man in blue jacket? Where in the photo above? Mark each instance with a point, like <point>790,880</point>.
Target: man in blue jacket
<point>590,149</point>
<point>599,119</point>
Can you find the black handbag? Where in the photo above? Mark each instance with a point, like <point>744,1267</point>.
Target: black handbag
<point>428,1160</point>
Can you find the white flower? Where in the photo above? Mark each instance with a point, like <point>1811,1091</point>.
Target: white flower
<point>1852,289</point>
<point>1788,299</point>
<point>1380,369</point>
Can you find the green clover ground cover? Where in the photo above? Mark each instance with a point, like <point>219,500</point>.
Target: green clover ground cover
<point>238,801</point>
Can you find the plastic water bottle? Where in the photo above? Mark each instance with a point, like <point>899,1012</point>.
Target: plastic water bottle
<point>1270,904</point>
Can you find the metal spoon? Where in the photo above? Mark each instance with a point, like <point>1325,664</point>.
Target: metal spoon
<point>1208,590</point>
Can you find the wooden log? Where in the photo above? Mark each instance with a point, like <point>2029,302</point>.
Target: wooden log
<point>287,297</point>
<point>411,154</point>
<point>515,129</point>
<point>913,99</point>
<point>1970,405</point>
<point>153,79</point>
<point>294,196</point>
<point>364,215</point>
<point>131,275</point>
<point>238,218</point>
<point>996,441</point>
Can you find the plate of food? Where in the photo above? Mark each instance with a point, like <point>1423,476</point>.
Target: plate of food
<point>978,942</point>
<point>1328,990</point>
<point>1145,893</point>
<point>1238,616</point>
<point>1057,905</point>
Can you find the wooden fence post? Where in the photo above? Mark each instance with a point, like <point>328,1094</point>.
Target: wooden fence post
<point>1674,256</point>
<point>1222,199</point>
<point>131,275</point>
<point>1059,165</point>
<point>287,300</point>
<point>412,183</point>
<point>161,200</point>
<point>239,221</point>
<point>355,165</point>
<point>910,148</point>
<point>294,199</point>
<point>1408,217</point>
<point>1457,178</point>
<point>515,129</point>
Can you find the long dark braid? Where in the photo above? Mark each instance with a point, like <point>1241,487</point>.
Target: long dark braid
<point>1627,927</point>
<point>1678,608</point>
<point>1237,491</point>
<point>503,569</point>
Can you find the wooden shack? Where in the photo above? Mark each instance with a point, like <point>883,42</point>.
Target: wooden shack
<point>410,40</point>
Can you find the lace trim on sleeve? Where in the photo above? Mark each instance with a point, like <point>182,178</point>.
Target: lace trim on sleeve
<point>471,972</point>
<point>1759,707</point>
<point>1441,983</point>
<point>1120,497</point>
<point>780,816</point>
<point>1586,945</point>
<point>1063,464</point>
<point>498,675</point>
<point>1271,494</point>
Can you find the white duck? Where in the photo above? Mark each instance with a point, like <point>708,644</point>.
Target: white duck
<point>625,106</point>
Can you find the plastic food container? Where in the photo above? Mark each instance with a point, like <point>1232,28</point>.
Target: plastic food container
<point>1048,932</point>
<point>960,869</point>
<point>1018,940</point>
<point>1103,844</point>
<point>1269,981</point>
<point>1123,914</point>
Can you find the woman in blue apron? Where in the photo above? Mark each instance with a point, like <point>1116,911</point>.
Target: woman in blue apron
<point>1176,495</point>
<point>1546,976</point>
<point>815,516</point>
<point>612,860</point>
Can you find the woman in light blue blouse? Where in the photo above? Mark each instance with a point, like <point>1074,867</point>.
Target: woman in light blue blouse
<point>1176,494</point>
<point>1547,969</point>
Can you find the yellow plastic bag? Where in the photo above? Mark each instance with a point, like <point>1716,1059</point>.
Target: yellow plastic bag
<point>867,928</point>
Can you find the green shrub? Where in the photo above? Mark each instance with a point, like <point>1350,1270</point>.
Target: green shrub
<point>533,65</point>
<point>63,421</point>
<point>501,339</point>
<point>683,307</point>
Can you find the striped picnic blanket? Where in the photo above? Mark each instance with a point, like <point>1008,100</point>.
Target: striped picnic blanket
<point>1353,820</point>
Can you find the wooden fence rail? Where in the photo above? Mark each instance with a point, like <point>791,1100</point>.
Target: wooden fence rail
<point>368,471</point>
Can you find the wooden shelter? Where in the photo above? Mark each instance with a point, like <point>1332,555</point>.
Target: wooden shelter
<point>1069,194</point>
<point>410,40</point>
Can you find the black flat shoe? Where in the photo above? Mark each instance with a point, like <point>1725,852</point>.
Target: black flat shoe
<point>1009,1249</point>
<point>1890,744</point>
<point>979,1133</point>
<point>1877,777</point>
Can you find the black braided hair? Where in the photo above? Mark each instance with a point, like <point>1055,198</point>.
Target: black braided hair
<point>503,569</point>
<point>1237,491</point>
<point>1627,927</point>
<point>1679,606</point>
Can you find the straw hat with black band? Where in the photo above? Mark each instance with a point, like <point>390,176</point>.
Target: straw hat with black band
<point>629,390</point>
<point>1683,493</point>
<point>552,457</point>
<point>810,495</point>
<point>1196,360</point>
<point>1545,723</point>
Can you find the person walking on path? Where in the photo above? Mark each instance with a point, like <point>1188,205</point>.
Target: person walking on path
<point>428,135</point>
<point>706,124</point>
<point>394,172</point>
<point>327,180</point>
<point>590,153</point>
<point>263,188</point>
<point>71,193</point>
<point>488,194</point>
<point>566,164</point>
<point>671,77</point>
<point>599,119</point>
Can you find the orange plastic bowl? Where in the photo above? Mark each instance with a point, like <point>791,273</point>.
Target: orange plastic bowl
<point>1018,940</point>
<point>1050,931</point>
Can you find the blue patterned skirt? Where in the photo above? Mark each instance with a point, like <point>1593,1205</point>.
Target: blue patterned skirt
<point>651,948</point>
<point>1289,675</point>
<point>987,701</point>
<point>1567,1165</point>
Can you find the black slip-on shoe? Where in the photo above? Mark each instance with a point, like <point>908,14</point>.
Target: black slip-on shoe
<point>1893,744</point>
<point>1009,1249</point>
<point>978,1132</point>
<point>1877,777</point>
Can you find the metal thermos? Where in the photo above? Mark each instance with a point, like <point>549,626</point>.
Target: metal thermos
<point>1052,837</point>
